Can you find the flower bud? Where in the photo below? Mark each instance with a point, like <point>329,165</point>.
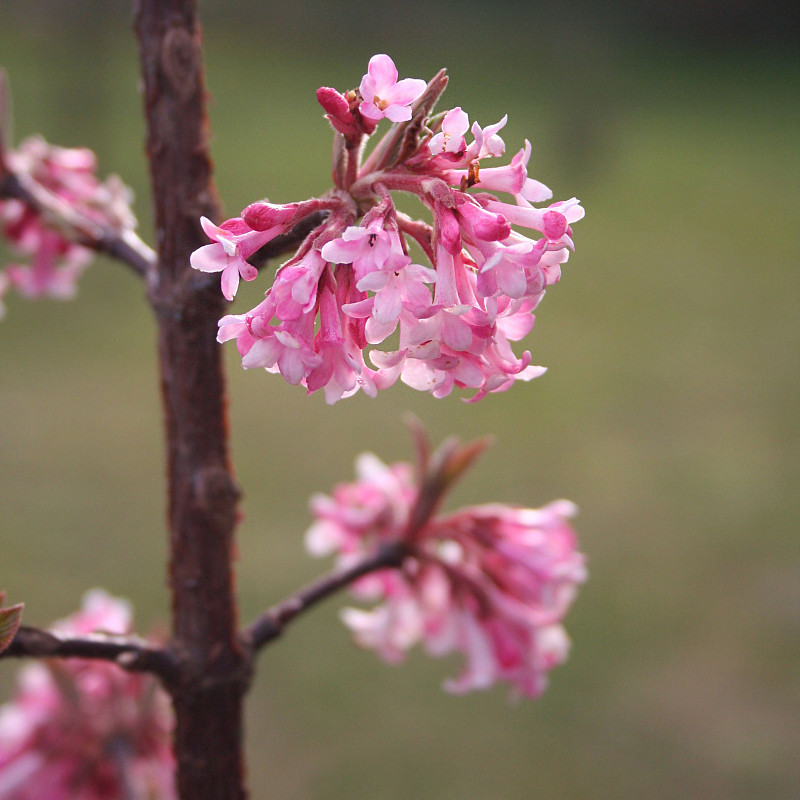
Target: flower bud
<point>261,216</point>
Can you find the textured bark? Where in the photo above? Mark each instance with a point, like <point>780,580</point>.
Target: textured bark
<point>213,670</point>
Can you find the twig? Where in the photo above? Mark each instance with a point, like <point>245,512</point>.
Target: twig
<point>124,245</point>
<point>129,652</point>
<point>288,241</point>
<point>271,624</point>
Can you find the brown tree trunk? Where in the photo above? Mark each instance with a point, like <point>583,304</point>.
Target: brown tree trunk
<point>212,669</point>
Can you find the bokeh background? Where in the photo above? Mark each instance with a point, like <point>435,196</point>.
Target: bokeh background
<point>669,412</point>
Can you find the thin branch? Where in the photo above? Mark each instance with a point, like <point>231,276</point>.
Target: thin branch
<point>289,241</point>
<point>420,231</point>
<point>124,245</point>
<point>129,652</point>
<point>271,624</point>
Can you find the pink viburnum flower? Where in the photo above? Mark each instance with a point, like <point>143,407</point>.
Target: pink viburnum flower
<point>87,730</point>
<point>69,177</point>
<point>383,95</point>
<point>234,242</point>
<point>351,310</point>
<point>492,582</point>
<point>450,138</point>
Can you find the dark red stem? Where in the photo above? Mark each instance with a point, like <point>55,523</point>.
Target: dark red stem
<point>129,652</point>
<point>213,669</point>
<point>271,624</point>
<point>125,245</point>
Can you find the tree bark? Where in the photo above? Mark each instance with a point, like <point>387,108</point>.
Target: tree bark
<point>212,669</point>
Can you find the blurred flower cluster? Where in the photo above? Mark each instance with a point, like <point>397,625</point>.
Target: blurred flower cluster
<point>354,286</point>
<point>48,238</point>
<point>87,730</point>
<point>492,582</point>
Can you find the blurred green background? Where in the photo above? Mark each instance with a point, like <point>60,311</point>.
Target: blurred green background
<point>669,411</point>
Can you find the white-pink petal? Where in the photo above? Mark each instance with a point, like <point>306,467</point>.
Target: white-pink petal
<point>381,72</point>
<point>209,258</point>
<point>406,91</point>
<point>230,281</point>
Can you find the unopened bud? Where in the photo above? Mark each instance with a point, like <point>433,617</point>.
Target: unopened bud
<point>262,215</point>
<point>555,224</point>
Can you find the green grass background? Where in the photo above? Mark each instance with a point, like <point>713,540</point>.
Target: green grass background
<point>669,412</point>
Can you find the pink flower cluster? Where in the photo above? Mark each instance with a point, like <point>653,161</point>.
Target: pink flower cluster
<point>492,582</point>
<point>353,288</point>
<point>86,730</point>
<point>55,260</point>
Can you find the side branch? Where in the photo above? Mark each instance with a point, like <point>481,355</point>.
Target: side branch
<point>289,241</point>
<point>272,623</point>
<point>123,245</point>
<point>129,652</point>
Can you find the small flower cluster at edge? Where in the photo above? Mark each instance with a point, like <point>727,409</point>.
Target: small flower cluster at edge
<point>54,261</point>
<point>81,729</point>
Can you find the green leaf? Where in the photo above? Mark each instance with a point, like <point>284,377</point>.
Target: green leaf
<point>9,623</point>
